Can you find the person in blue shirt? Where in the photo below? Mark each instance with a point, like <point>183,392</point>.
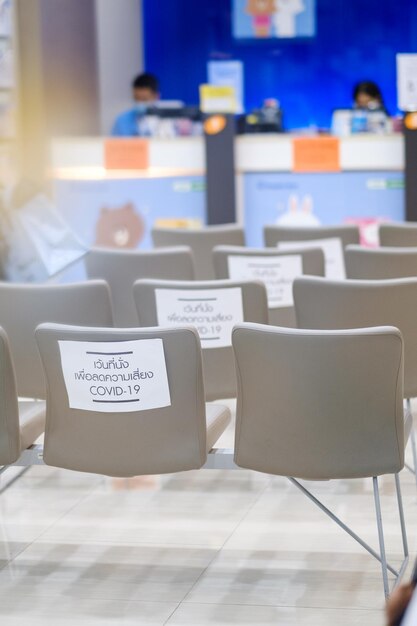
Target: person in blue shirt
<point>145,89</point>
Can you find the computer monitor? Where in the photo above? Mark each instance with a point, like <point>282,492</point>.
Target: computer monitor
<point>175,112</point>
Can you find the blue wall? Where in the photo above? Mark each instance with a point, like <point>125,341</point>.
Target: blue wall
<point>356,39</point>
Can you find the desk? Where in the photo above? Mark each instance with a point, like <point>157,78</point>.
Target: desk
<point>368,187</point>
<point>119,208</point>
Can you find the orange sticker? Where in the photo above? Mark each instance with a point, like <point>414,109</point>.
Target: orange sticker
<point>214,124</point>
<point>410,121</point>
<point>316,154</point>
<point>126,154</point>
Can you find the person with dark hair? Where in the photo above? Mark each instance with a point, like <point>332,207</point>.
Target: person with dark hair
<point>145,88</point>
<point>369,112</point>
<point>367,95</point>
<point>145,91</point>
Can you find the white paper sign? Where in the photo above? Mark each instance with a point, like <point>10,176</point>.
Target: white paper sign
<point>115,377</point>
<point>333,254</point>
<point>213,312</point>
<point>277,272</point>
<point>407,82</point>
<point>229,73</point>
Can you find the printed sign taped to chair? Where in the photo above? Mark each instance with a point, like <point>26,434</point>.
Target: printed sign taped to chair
<point>332,250</point>
<point>213,312</point>
<point>115,377</point>
<point>277,272</point>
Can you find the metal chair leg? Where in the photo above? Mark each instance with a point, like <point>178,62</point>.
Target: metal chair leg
<point>403,530</point>
<point>381,557</point>
<point>339,522</point>
<point>412,469</point>
<point>381,536</point>
<point>413,446</point>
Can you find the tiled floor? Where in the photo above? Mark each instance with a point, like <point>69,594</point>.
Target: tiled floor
<point>199,548</point>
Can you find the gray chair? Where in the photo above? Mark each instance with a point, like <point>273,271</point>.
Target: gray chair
<point>312,262</point>
<point>24,307</point>
<point>218,362</point>
<point>201,242</point>
<point>398,235</point>
<point>174,438</point>
<point>326,405</point>
<point>380,263</point>
<point>20,423</point>
<point>120,269</point>
<point>346,234</point>
<point>324,304</point>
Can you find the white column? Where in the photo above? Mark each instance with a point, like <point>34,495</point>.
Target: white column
<point>120,55</point>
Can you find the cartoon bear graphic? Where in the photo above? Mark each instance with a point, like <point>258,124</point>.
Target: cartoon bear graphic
<point>121,227</point>
<point>261,12</point>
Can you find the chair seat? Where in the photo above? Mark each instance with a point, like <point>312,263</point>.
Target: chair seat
<point>32,421</point>
<point>217,419</point>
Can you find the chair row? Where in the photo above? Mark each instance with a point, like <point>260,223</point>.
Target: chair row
<point>169,303</point>
<point>394,302</point>
<point>283,427</point>
<point>276,267</point>
<point>203,241</point>
<point>120,269</point>
<point>89,304</point>
<point>315,405</point>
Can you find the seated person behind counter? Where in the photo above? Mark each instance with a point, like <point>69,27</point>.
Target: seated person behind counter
<point>369,111</point>
<point>145,93</point>
<point>367,95</point>
<point>367,115</point>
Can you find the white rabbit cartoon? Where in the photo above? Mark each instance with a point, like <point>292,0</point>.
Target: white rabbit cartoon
<point>284,18</point>
<point>299,216</point>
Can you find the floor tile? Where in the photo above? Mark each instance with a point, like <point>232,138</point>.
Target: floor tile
<point>201,547</point>
<point>113,572</point>
<point>273,578</point>
<point>57,611</point>
<point>205,615</point>
<point>201,513</point>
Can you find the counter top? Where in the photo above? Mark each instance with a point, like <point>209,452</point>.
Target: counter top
<point>83,158</point>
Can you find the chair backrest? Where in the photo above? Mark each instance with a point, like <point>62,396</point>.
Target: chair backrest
<point>24,307</point>
<point>109,439</point>
<point>275,267</point>
<point>273,234</point>
<point>213,307</point>
<point>319,404</point>
<point>333,238</point>
<point>120,269</point>
<point>380,263</point>
<point>325,304</point>
<point>398,235</point>
<point>9,411</point>
<point>201,242</point>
